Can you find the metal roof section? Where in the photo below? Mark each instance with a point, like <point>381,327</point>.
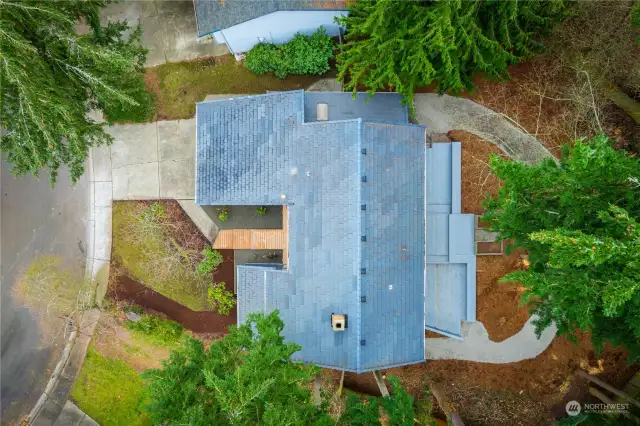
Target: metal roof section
<point>450,276</point>
<point>357,203</point>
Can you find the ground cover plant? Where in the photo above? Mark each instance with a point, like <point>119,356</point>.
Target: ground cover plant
<point>302,55</point>
<point>145,247</point>
<point>156,330</point>
<point>110,391</point>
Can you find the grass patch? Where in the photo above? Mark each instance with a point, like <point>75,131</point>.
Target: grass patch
<point>144,247</point>
<point>179,85</point>
<point>110,391</point>
<point>53,289</point>
<point>156,330</point>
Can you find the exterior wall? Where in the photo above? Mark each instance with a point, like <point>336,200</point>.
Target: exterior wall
<point>278,28</point>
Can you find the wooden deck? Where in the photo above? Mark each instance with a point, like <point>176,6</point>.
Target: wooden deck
<point>257,239</point>
<point>251,239</point>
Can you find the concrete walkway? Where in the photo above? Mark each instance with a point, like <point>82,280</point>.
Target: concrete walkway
<point>444,113</point>
<point>71,415</point>
<point>476,345</point>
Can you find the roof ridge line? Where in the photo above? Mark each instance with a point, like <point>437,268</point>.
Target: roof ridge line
<point>257,95</point>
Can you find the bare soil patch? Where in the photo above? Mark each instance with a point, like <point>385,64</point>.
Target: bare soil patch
<point>113,340</point>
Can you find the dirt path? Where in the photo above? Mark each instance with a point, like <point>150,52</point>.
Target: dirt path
<point>199,322</point>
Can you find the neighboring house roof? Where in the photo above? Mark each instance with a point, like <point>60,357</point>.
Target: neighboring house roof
<point>216,15</point>
<point>355,189</point>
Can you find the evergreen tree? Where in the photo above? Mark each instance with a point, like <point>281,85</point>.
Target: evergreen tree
<point>50,77</point>
<point>578,222</point>
<point>248,378</point>
<point>403,45</point>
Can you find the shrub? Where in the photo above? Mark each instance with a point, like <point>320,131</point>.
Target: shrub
<point>261,211</point>
<point>302,55</point>
<point>212,259</point>
<point>159,331</point>
<point>220,299</point>
<point>223,214</point>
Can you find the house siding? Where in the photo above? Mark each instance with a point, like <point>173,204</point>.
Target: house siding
<point>278,27</point>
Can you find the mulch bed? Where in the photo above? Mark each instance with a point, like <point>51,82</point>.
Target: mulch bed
<point>127,289</point>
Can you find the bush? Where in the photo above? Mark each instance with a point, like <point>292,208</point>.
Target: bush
<point>212,259</point>
<point>223,214</point>
<point>159,331</point>
<point>220,299</point>
<point>261,211</point>
<point>302,55</point>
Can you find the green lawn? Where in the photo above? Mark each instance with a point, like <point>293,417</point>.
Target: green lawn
<point>178,86</point>
<point>109,391</point>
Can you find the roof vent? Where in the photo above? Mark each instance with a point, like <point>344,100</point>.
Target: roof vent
<point>322,112</point>
<point>338,322</point>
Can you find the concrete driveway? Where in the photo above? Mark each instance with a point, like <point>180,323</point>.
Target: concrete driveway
<point>169,29</point>
<point>149,161</point>
<point>34,219</point>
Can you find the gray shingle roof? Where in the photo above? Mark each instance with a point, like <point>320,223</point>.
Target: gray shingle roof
<point>252,150</point>
<point>216,15</point>
<point>371,207</point>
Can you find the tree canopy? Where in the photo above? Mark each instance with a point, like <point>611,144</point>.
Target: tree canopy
<point>578,221</point>
<point>407,44</point>
<point>51,77</point>
<point>249,378</point>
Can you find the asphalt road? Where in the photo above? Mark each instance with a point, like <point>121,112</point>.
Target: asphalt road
<point>34,219</point>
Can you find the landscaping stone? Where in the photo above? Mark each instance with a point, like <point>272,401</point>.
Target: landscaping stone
<point>133,316</point>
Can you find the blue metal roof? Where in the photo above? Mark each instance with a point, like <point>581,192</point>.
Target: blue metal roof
<point>451,262</point>
<point>216,15</point>
<point>355,191</point>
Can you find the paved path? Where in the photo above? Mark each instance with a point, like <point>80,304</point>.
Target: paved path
<point>477,346</point>
<point>169,29</point>
<point>444,113</point>
<point>35,219</point>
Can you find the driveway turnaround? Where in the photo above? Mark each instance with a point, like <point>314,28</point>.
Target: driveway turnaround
<point>168,29</point>
<point>35,220</point>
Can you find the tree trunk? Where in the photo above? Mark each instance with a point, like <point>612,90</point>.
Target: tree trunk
<point>622,100</point>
